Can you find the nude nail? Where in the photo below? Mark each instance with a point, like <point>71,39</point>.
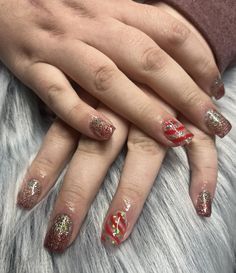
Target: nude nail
<point>29,194</point>
<point>176,132</point>
<point>101,128</point>
<point>59,234</point>
<point>217,123</point>
<point>115,228</point>
<point>204,202</point>
<point>217,88</point>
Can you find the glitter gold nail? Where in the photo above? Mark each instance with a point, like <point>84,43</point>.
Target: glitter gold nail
<point>217,88</point>
<point>59,234</point>
<point>101,127</point>
<point>204,201</point>
<point>217,123</point>
<point>28,196</point>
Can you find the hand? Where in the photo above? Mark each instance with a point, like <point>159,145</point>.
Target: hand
<point>46,42</point>
<point>88,167</point>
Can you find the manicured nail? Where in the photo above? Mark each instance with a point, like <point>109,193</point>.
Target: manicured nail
<point>217,123</point>
<point>115,228</point>
<point>218,89</point>
<point>204,204</point>
<point>176,132</point>
<point>101,128</point>
<point>29,194</point>
<point>59,234</point>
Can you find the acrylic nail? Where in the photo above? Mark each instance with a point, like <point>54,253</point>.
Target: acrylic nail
<point>58,236</point>
<point>217,88</point>
<point>176,132</point>
<point>101,128</point>
<point>217,123</point>
<point>115,228</point>
<point>29,194</point>
<point>203,206</point>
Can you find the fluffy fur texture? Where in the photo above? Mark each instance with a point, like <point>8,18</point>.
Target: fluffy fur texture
<point>168,238</point>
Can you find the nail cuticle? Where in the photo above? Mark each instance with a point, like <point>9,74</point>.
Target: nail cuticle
<point>29,194</point>
<point>59,234</point>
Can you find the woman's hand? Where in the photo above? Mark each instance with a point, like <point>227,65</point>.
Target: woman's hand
<point>88,167</point>
<point>103,45</point>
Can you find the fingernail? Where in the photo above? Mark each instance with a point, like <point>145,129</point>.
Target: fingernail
<point>114,228</point>
<point>101,128</point>
<point>218,89</point>
<point>217,123</point>
<point>29,194</point>
<point>176,132</point>
<point>204,204</point>
<point>59,234</point>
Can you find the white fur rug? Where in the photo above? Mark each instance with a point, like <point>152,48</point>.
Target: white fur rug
<point>168,238</point>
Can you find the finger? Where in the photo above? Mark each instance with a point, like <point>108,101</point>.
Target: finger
<point>85,174</point>
<point>56,150</point>
<point>179,41</point>
<point>103,80</point>
<point>142,164</point>
<point>202,156</point>
<point>144,61</point>
<point>55,90</point>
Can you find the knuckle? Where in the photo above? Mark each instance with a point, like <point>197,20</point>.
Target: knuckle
<point>143,144</point>
<point>90,148</point>
<point>132,192</point>
<point>207,66</point>
<point>43,165</point>
<point>54,91</point>
<point>190,99</point>
<point>74,193</point>
<point>153,59</point>
<point>178,34</point>
<point>60,132</point>
<point>104,76</point>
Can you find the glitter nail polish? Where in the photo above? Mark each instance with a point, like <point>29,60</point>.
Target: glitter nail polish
<point>59,234</point>
<point>176,132</point>
<point>28,196</point>
<point>204,201</point>
<point>115,228</point>
<point>217,88</point>
<point>217,123</point>
<point>101,128</point>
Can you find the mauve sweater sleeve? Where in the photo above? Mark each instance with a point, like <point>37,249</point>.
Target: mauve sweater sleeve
<point>216,20</point>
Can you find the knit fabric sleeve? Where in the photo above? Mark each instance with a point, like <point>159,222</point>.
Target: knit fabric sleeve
<point>216,20</point>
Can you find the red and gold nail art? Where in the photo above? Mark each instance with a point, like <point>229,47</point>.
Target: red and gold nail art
<point>204,204</point>
<point>101,128</point>
<point>217,123</point>
<point>176,132</point>
<point>28,196</point>
<point>115,228</point>
<point>59,234</point>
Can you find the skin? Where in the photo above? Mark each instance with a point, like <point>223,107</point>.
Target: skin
<point>48,43</point>
<point>90,159</point>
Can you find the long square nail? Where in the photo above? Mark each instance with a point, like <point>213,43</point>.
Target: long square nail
<point>217,123</point>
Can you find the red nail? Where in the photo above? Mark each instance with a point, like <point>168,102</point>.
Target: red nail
<point>115,228</point>
<point>176,132</point>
